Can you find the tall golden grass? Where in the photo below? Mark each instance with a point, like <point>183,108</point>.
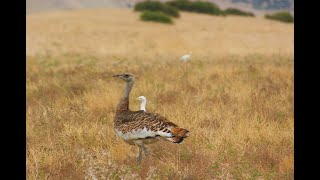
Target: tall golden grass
<point>237,102</point>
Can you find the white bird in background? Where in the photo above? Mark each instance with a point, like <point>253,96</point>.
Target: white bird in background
<point>143,103</point>
<point>186,57</point>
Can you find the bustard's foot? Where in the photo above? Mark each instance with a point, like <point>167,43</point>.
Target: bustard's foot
<point>139,158</point>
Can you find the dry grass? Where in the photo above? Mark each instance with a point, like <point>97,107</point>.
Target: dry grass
<point>112,32</point>
<point>238,106</point>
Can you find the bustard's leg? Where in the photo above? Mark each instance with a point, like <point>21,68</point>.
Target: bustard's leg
<point>145,150</point>
<point>140,154</point>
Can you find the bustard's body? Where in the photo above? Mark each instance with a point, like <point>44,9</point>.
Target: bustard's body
<point>140,127</point>
<point>143,103</point>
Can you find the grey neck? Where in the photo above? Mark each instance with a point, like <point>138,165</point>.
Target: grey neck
<point>128,89</point>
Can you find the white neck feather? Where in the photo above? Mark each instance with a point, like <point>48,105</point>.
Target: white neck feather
<point>143,105</point>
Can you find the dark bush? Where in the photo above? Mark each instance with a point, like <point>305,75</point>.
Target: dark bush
<point>196,6</point>
<point>234,11</point>
<point>184,5</point>
<point>157,6</point>
<point>155,16</point>
<point>280,16</point>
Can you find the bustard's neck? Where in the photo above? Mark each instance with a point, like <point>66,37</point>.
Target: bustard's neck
<point>124,102</point>
<point>127,90</point>
<point>143,105</point>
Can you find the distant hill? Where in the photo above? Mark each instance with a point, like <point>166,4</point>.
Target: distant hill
<point>45,5</point>
<point>259,7</point>
<point>256,6</point>
<point>268,4</point>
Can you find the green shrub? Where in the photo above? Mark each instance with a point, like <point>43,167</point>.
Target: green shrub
<point>196,6</point>
<point>234,11</point>
<point>280,16</point>
<point>184,5</point>
<point>157,6</point>
<point>155,16</point>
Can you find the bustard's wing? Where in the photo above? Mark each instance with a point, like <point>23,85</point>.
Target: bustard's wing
<point>140,125</point>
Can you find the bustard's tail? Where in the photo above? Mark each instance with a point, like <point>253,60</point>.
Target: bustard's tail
<point>179,135</point>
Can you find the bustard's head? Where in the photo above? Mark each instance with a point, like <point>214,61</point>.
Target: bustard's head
<point>125,76</point>
<point>142,98</point>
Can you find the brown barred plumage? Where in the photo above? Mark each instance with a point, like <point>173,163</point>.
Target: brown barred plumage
<point>140,127</point>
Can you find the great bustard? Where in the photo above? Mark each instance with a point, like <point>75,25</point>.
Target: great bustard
<point>143,103</point>
<point>140,127</point>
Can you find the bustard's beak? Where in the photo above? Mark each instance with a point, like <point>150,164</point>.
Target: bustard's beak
<point>116,75</point>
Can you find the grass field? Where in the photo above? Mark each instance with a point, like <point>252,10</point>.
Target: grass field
<point>235,95</point>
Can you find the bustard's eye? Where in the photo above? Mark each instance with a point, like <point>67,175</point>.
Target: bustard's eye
<point>126,75</point>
